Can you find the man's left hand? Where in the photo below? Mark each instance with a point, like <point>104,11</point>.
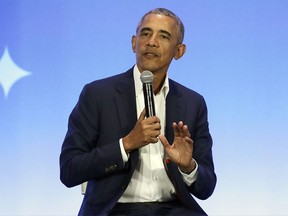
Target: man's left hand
<point>181,151</point>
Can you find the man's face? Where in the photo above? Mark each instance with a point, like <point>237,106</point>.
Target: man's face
<point>156,44</point>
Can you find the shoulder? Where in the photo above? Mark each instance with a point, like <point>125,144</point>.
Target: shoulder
<point>110,84</point>
<point>109,87</point>
<point>183,91</point>
<point>111,81</point>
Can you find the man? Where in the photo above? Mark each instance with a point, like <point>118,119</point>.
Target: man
<point>146,165</point>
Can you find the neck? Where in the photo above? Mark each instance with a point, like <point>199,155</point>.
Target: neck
<point>158,82</point>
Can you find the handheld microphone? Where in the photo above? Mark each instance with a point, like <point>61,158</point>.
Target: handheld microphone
<point>147,80</point>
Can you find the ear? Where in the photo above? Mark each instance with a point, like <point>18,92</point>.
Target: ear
<point>180,50</point>
<point>133,42</point>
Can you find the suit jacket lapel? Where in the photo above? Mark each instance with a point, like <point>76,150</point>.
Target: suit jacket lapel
<point>125,102</point>
<point>175,110</point>
<point>126,106</point>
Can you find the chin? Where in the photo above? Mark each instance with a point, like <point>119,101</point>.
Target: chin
<point>149,67</point>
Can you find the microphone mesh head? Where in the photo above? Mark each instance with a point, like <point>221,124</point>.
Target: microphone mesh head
<point>146,77</point>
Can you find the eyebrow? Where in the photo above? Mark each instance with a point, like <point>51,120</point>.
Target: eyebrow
<point>161,31</point>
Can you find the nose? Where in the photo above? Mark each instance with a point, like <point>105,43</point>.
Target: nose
<point>152,41</point>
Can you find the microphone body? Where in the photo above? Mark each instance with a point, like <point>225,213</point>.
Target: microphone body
<point>147,80</point>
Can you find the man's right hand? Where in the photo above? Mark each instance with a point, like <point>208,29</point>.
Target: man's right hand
<point>145,131</point>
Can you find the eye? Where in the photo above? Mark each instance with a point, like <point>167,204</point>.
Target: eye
<point>145,33</point>
<point>166,37</point>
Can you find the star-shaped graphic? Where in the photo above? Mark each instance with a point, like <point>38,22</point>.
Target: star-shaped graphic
<point>10,73</point>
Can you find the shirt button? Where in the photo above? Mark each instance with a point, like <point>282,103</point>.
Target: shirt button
<point>155,178</point>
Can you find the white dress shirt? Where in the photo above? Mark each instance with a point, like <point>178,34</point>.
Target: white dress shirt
<point>150,181</point>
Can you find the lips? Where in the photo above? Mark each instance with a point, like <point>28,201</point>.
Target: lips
<point>150,54</point>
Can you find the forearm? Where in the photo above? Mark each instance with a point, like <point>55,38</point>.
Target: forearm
<point>205,183</point>
<point>78,166</point>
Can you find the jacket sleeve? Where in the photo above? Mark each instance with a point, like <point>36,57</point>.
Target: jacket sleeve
<point>83,155</point>
<point>204,186</point>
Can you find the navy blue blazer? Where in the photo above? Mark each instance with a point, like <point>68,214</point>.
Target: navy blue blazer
<point>106,112</point>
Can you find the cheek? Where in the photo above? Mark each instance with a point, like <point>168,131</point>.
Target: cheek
<point>169,53</point>
<point>136,47</point>
<point>174,52</point>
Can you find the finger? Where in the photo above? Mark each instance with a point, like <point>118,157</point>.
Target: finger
<point>156,132</point>
<point>176,129</point>
<point>186,131</point>
<point>180,124</point>
<point>181,130</point>
<point>154,140</point>
<point>156,126</point>
<point>189,140</point>
<point>153,120</point>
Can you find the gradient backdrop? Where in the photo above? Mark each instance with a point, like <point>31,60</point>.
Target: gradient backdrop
<point>237,58</point>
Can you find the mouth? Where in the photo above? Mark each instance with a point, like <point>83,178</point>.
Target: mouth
<point>150,54</point>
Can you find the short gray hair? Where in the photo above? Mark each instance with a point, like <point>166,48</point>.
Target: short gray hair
<point>166,12</point>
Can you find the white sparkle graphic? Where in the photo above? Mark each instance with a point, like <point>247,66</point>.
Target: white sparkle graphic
<point>10,73</point>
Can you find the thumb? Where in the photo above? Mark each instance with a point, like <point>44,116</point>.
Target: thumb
<point>164,141</point>
<point>142,115</point>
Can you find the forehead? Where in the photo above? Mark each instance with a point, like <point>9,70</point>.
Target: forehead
<point>157,22</point>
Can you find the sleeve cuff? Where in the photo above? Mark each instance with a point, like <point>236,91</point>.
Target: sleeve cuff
<point>190,178</point>
<point>125,156</point>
